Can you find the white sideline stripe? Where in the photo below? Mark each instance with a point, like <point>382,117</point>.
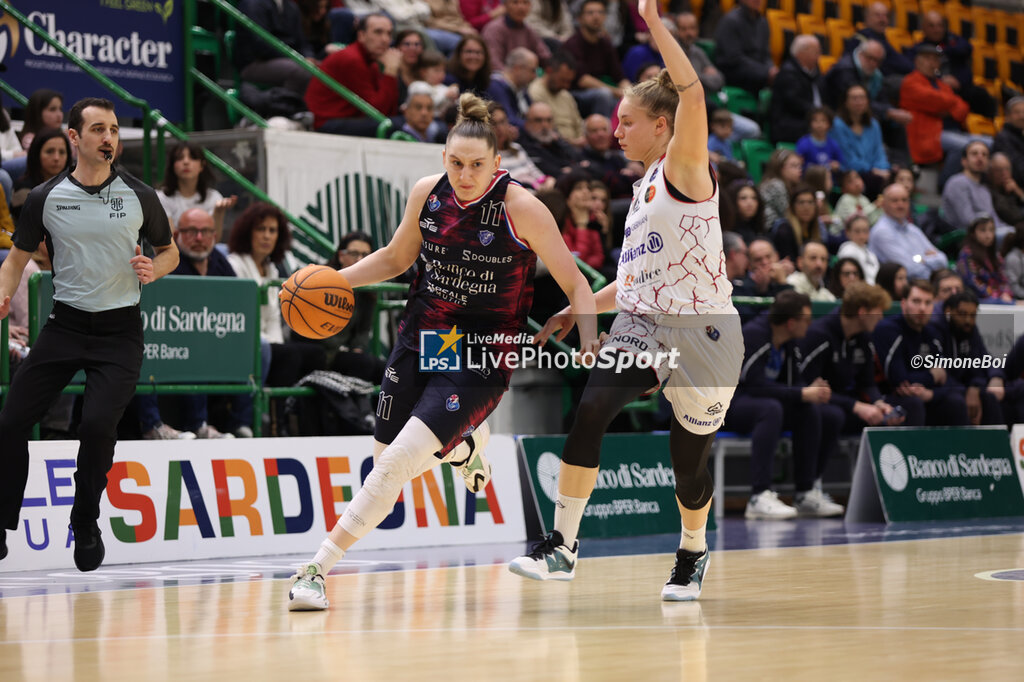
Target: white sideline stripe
<point>478,631</point>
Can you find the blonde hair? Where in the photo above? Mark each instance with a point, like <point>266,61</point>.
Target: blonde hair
<point>474,121</point>
<point>863,295</point>
<point>657,96</point>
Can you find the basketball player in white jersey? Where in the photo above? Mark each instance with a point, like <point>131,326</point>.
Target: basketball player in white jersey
<point>672,294</point>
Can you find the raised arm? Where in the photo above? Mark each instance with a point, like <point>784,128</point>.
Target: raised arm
<point>403,249</point>
<point>686,165</point>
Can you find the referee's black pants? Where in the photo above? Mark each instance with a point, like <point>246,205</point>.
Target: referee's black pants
<point>108,347</point>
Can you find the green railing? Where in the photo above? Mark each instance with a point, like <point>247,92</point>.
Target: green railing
<point>191,72</point>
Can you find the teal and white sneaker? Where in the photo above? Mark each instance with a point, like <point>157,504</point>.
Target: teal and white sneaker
<point>687,576</point>
<point>548,560</point>
<point>308,593</point>
<point>476,469</point>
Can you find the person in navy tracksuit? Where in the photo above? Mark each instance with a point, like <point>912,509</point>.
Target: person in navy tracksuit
<point>903,344</point>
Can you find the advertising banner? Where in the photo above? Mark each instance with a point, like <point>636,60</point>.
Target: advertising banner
<point>912,474</point>
<point>173,500</point>
<point>635,492</point>
<point>197,329</point>
<point>135,43</point>
<point>1017,449</point>
<point>341,184</point>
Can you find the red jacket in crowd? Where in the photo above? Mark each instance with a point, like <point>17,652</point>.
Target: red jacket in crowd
<point>930,100</point>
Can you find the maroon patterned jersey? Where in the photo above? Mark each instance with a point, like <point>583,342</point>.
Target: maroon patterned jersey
<point>475,273</point>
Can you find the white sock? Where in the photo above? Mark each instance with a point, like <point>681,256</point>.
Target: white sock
<point>693,540</point>
<point>568,514</point>
<point>328,555</point>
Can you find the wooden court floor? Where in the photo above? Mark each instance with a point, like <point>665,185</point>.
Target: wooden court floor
<point>896,610</point>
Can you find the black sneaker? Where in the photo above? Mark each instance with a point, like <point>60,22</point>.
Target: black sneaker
<point>3,543</point>
<point>687,576</point>
<point>89,550</point>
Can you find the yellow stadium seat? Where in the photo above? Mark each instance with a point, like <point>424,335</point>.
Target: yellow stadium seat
<point>838,31</point>
<point>782,29</point>
<point>959,19</point>
<point>1012,29</point>
<point>901,14</point>
<point>1005,56</point>
<point>998,122</point>
<point>726,5</point>
<point>899,38</point>
<point>825,62</point>
<point>849,14</point>
<point>815,7</point>
<point>979,125</point>
<point>984,62</point>
<point>787,6</point>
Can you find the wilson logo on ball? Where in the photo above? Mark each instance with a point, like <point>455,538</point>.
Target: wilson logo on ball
<point>338,301</point>
<point>317,301</point>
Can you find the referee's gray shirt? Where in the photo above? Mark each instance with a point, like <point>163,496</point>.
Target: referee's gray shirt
<point>91,233</point>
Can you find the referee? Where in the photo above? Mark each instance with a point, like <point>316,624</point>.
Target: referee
<point>93,219</point>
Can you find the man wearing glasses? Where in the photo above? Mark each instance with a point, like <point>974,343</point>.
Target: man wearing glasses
<point>195,236</point>
<point>861,67</point>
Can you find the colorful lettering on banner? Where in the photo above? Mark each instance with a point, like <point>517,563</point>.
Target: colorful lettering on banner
<point>228,508</point>
<point>177,473</point>
<point>331,495</point>
<point>142,504</point>
<point>303,521</point>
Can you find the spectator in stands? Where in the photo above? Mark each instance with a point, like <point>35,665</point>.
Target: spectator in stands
<point>260,62</point>
<point>1007,195</point>
<point>809,279</point>
<point>510,31</point>
<point>641,57</point>
<point>946,283</point>
<point>737,258</point>
<point>583,229</point>
<point>876,20</point>
<point>816,147</point>
<point>553,155</point>
<point>893,278</point>
<point>514,158</point>
<point>771,396</point>
<point>418,111</point>
<point>838,349</point>
<point>860,67</point>
<point>966,195</point>
<point>742,47</point>
<point>316,27</point>
<point>1010,140</point>
<point>955,63</point>
<point>599,79</point>
<point>12,154</point>
<point>479,12</point>
<point>552,21</point>
<point>923,393</point>
<point>45,109</point>
<point>410,45</point>
<point>895,239</point>
<point>859,138</point>
<point>957,332</point>
<point>1012,251</point>
<point>980,264</point>
<point>719,146</point>
<point>258,242</point>
<point>604,163</point>
<point>470,66</point>
<point>196,238</point>
<point>553,89</point>
<point>853,202</point>
<point>800,225</point>
<point>842,274</point>
<point>446,25</point>
<point>509,86</point>
<point>797,90</point>
<point>432,72</point>
<point>48,156</point>
<point>743,210</point>
<point>781,175</point>
<point>188,183</point>
<point>367,67</point>
<point>857,230</point>
<point>936,110</point>
<point>767,276</point>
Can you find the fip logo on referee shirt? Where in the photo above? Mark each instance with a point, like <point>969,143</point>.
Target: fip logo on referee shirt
<point>440,350</point>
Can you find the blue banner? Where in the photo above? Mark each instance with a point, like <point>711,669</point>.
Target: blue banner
<point>136,43</point>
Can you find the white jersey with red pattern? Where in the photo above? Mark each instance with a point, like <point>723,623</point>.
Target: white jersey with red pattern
<point>672,262</point>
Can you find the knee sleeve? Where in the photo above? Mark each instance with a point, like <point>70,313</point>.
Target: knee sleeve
<point>690,451</point>
<point>408,456</point>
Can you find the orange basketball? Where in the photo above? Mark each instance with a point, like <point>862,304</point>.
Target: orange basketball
<point>317,301</point>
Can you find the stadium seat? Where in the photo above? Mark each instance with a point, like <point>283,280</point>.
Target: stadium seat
<point>899,38</point>
<point>740,101</point>
<point>1005,56</point>
<point>959,19</point>
<point>838,31</point>
<point>756,154</point>
<point>826,62</point>
<point>902,11</point>
<point>985,26</point>
<point>815,7</point>
<point>787,6</point>
<point>979,125</point>
<point>984,61</point>
<point>782,29</point>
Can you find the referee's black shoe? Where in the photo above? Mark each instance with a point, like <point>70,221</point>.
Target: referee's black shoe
<point>3,543</point>
<point>89,550</point>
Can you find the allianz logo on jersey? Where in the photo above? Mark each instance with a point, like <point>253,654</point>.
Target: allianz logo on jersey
<point>654,244</point>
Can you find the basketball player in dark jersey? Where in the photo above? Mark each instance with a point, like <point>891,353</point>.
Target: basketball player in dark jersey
<point>475,233</point>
